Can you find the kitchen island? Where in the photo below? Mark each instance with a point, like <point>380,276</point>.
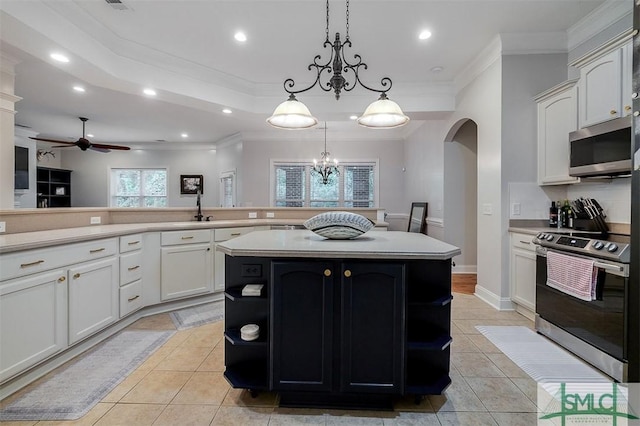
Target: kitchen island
<point>342,323</point>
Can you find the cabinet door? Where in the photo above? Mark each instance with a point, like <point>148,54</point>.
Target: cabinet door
<point>33,320</point>
<point>93,297</point>
<point>186,270</point>
<point>372,337</point>
<point>219,236</point>
<point>302,322</point>
<point>523,273</point>
<point>557,116</point>
<point>600,89</point>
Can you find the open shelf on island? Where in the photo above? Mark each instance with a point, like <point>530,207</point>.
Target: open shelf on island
<point>248,375</point>
<point>235,294</point>
<point>233,336</point>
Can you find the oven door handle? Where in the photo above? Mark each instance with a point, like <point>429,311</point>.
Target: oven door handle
<point>608,267</point>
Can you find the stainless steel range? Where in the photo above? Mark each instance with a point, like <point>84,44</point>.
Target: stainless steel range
<point>594,328</point>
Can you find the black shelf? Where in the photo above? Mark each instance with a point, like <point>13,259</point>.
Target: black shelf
<point>233,337</point>
<point>441,301</point>
<point>438,344</point>
<point>248,375</point>
<point>434,385</point>
<point>53,187</point>
<point>235,295</point>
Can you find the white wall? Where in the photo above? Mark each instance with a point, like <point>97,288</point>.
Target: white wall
<point>257,156</point>
<point>460,196</point>
<point>90,176</point>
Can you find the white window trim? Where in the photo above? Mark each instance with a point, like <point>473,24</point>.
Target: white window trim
<point>376,176</point>
<point>232,175</point>
<point>111,189</point>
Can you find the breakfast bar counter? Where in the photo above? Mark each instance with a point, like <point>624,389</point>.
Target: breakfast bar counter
<point>340,323</point>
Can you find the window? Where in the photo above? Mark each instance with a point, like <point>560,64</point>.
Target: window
<point>295,186</point>
<point>228,189</point>
<point>138,188</point>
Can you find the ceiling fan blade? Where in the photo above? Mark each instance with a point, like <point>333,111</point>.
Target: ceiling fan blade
<point>64,146</point>
<point>104,146</point>
<point>52,140</point>
<point>98,149</point>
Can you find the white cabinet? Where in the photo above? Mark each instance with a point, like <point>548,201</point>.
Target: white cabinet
<point>557,116</point>
<point>93,297</point>
<point>605,82</point>
<point>131,271</point>
<point>33,320</point>
<point>186,263</point>
<point>522,273</point>
<point>220,235</point>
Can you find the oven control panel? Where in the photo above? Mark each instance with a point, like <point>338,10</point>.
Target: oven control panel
<point>598,248</point>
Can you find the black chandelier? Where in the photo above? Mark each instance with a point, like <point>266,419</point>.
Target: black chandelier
<point>326,168</point>
<point>382,114</point>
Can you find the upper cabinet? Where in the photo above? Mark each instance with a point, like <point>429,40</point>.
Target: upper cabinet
<point>605,82</point>
<point>557,116</point>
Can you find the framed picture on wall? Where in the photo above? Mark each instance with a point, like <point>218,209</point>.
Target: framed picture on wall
<point>190,184</point>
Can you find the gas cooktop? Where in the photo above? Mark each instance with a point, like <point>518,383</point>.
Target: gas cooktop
<point>613,247</point>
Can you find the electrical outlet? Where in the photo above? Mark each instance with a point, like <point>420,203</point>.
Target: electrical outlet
<point>515,209</point>
<point>247,270</point>
<point>96,220</point>
<point>487,209</point>
<point>3,227</point>
<point>253,215</point>
<point>271,214</point>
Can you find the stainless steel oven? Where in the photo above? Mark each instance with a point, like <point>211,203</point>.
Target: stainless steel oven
<point>595,330</point>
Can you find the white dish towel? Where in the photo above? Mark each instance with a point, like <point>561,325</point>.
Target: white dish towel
<point>574,276</point>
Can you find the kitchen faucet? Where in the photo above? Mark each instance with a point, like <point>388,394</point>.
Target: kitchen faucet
<point>199,216</point>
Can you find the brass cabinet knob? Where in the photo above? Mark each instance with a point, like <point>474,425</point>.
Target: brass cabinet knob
<point>347,273</point>
<point>76,276</point>
<point>61,279</point>
<point>327,272</point>
<point>627,108</point>
<point>613,112</point>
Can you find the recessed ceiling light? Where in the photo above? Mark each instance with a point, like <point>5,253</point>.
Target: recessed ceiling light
<point>90,135</point>
<point>149,92</point>
<point>79,89</point>
<point>437,69</point>
<point>227,111</point>
<point>184,135</point>
<point>59,57</point>
<point>240,36</point>
<point>353,117</point>
<point>424,34</point>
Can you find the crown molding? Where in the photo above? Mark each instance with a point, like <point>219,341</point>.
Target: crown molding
<point>609,46</point>
<point>599,19</point>
<point>534,43</point>
<point>479,64</point>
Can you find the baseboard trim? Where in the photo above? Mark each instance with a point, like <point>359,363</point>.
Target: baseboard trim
<point>500,303</point>
<point>465,269</point>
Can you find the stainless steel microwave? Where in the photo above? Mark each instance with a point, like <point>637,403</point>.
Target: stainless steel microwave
<point>601,150</point>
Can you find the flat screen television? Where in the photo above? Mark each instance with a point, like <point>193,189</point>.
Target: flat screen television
<point>21,175</point>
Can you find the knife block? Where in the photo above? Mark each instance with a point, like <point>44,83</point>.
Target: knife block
<point>586,225</point>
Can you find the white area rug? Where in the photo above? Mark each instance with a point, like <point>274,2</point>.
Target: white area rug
<point>198,315</point>
<point>539,357</point>
<point>74,390</point>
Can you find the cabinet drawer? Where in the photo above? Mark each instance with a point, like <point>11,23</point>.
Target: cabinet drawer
<point>130,243</point>
<point>28,262</point>
<point>523,241</point>
<point>225,234</point>
<point>130,267</point>
<point>172,238</point>
<point>130,298</point>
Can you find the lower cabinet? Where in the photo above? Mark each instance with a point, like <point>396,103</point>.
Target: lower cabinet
<point>522,272</point>
<point>186,264</point>
<point>93,297</point>
<point>33,320</point>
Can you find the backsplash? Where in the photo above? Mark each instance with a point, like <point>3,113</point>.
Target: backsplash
<point>534,201</point>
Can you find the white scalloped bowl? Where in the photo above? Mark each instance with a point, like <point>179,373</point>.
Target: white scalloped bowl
<point>339,225</point>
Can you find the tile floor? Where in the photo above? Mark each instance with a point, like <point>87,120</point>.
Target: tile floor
<point>182,384</point>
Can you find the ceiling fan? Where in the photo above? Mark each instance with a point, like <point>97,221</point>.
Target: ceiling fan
<point>83,143</point>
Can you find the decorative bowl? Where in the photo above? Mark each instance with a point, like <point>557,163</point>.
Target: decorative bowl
<point>339,225</point>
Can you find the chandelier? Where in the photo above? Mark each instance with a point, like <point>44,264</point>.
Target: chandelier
<point>381,114</point>
<point>326,168</point>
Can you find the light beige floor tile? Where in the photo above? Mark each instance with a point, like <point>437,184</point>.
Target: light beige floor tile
<point>154,322</point>
<point>455,330</point>
<point>412,419</point>
<point>88,419</point>
<point>468,326</point>
<point>186,415</point>
<point>356,417</point>
<point>131,414</point>
<point>242,416</point>
<point>466,419</point>
<point>486,312</point>
<point>508,367</point>
<point>179,338</point>
<point>184,358</point>
<point>243,398</point>
<point>515,419</point>
<point>203,388</point>
<point>206,336</point>
<point>528,386</point>
<point>501,395</point>
<point>475,364</point>
<point>19,423</point>
<point>297,416</point>
<point>408,403</point>
<point>215,360</point>
<point>157,387</point>
<point>125,386</point>
<point>483,343</point>
<point>156,358</point>
<point>462,343</point>
<point>457,397</point>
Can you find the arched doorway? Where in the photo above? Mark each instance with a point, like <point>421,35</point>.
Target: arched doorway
<point>460,197</point>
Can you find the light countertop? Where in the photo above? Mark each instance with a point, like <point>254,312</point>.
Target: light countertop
<point>371,245</point>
